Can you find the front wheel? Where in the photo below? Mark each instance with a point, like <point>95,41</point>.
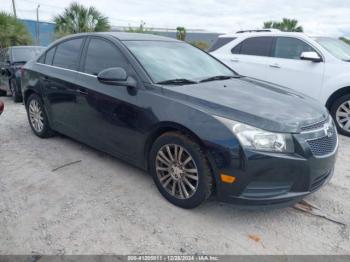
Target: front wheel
<point>340,112</point>
<point>37,117</point>
<point>180,170</point>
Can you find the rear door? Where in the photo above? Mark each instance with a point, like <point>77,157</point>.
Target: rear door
<point>287,69</point>
<point>109,114</point>
<point>252,56</point>
<point>59,79</point>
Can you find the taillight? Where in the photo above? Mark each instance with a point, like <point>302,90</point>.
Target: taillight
<point>1,107</point>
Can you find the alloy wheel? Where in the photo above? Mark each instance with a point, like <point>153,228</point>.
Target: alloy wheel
<point>36,115</point>
<point>343,116</point>
<point>177,171</point>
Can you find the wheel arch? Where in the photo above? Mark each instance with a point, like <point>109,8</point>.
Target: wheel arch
<point>27,94</point>
<point>165,127</point>
<point>340,92</point>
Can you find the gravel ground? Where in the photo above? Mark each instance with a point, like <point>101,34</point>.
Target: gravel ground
<point>104,206</point>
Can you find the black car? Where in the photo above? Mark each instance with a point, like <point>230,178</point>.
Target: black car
<point>169,108</point>
<point>12,60</point>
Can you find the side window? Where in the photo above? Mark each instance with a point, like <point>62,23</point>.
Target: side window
<point>220,42</point>
<point>102,55</point>
<point>257,46</point>
<point>49,56</point>
<point>42,59</point>
<point>237,49</point>
<point>290,48</point>
<point>67,54</point>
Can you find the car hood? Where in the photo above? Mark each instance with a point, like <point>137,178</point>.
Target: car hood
<point>257,103</point>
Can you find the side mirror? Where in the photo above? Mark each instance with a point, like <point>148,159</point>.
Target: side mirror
<point>116,76</point>
<point>311,56</point>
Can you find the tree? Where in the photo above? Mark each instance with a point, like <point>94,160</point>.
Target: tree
<point>13,32</point>
<point>286,25</point>
<point>181,33</point>
<point>77,19</point>
<point>345,40</point>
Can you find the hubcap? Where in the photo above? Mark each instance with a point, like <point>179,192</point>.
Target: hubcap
<point>343,116</point>
<point>36,116</point>
<point>177,171</point>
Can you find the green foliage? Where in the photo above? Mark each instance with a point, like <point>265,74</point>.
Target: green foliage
<point>345,40</point>
<point>77,19</point>
<point>181,33</point>
<point>13,32</point>
<point>286,25</point>
<point>200,44</point>
<point>140,29</point>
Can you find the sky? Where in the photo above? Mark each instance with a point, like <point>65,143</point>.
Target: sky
<point>318,17</point>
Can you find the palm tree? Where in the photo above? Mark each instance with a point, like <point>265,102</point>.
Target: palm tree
<point>286,25</point>
<point>77,19</point>
<point>13,32</point>
<point>181,33</point>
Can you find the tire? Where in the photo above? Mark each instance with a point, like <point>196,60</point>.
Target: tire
<point>167,171</point>
<point>340,112</point>
<point>3,93</point>
<point>14,91</point>
<point>35,111</point>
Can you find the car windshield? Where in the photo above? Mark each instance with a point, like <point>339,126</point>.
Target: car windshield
<point>24,54</point>
<point>336,47</point>
<point>165,61</point>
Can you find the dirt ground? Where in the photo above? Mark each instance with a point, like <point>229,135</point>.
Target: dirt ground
<point>104,206</point>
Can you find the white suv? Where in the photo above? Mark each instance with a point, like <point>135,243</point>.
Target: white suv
<point>316,66</point>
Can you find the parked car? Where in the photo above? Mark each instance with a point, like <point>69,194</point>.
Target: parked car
<point>193,123</point>
<point>1,107</point>
<point>12,60</point>
<point>316,66</point>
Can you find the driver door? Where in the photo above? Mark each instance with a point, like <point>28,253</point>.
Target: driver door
<point>287,69</point>
<point>108,112</point>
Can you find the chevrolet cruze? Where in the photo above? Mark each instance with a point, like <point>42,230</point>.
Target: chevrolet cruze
<point>169,108</point>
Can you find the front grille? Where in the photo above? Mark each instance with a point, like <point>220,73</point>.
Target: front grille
<point>314,126</point>
<point>324,145</point>
<point>319,181</point>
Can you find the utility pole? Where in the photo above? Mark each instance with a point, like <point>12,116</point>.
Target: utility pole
<point>37,26</point>
<point>14,8</point>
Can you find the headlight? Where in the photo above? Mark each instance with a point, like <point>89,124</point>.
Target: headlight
<point>259,139</point>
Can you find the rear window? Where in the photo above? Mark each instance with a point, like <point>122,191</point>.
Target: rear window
<point>220,42</point>
<point>257,46</point>
<point>24,54</point>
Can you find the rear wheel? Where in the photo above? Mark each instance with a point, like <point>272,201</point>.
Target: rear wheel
<point>37,117</point>
<point>14,91</point>
<point>340,112</point>
<point>180,170</point>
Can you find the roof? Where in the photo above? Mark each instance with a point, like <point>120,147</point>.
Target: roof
<point>123,36</point>
<point>274,33</point>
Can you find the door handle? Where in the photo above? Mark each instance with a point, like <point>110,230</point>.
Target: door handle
<point>275,65</point>
<point>236,60</point>
<point>81,91</point>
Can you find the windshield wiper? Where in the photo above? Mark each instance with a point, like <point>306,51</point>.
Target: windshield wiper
<point>221,77</point>
<point>178,81</point>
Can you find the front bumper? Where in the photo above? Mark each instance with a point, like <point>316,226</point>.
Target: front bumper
<point>270,179</point>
